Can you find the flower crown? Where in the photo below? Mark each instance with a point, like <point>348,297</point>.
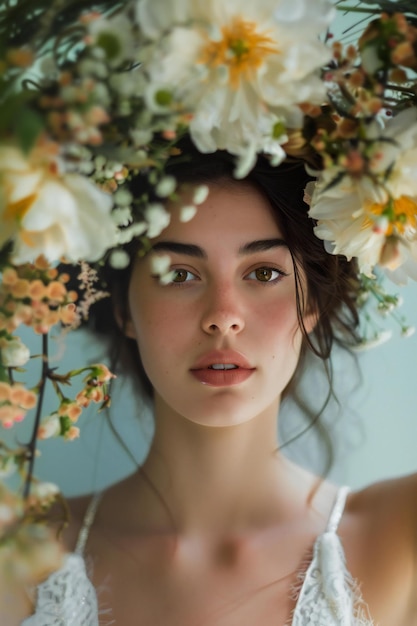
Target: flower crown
<point>89,98</point>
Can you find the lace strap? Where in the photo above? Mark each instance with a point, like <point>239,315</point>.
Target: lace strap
<point>337,511</point>
<point>88,521</point>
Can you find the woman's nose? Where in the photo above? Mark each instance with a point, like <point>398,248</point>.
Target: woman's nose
<point>223,312</point>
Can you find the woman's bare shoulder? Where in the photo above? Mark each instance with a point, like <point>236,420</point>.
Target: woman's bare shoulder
<point>380,536</point>
<point>394,499</point>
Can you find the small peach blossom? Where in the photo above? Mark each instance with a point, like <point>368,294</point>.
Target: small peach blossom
<point>96,394</point>
<point>56,291</point>
<point>71,410</point>
<point>40,310</point>
<point>17,394</point>
<point>72,296</point>
<point>37,290</point>
<point>102,373</point>
<point>52,318</point>
<point>10,414</point>
<point>74,412</point>
<point>73,433</point>
<point>68,314</point>
<point>41,263</point>
<point>169,134</point>
<point>29,400</point>
<point>20,289</point>
<point>40,328</point>
<point>402,53</point>
<point>9,276</point>
<point>81,399</point>
<point>4,391</point>
<point>96,116</point>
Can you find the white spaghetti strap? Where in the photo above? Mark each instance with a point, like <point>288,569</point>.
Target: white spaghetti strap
<point>337,511</point>
<point>87,523</point>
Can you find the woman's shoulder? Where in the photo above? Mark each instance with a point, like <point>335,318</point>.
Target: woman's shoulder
<point>387,512</point>
<point>379,533</point>
<point>394,499</point>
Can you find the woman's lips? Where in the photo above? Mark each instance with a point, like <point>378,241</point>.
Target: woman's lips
<point>222,368</point>
<point>222,378</point>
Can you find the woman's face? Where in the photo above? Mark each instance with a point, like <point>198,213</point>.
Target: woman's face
<point>221,341</point>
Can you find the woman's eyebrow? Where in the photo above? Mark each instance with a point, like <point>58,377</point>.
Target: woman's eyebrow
<point>259,245</point>
<point>262,245</point>
<point>180,248</point>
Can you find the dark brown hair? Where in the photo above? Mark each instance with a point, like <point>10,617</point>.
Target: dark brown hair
<point>331,281</point>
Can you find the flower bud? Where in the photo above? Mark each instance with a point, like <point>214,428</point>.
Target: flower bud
<point>14,353</point>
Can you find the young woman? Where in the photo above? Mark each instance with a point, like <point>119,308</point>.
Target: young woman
<point>218,528</point>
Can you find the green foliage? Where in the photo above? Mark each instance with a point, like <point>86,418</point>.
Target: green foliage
<point>24,22</point>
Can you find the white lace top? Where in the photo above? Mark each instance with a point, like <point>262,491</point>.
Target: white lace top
<point>327,594</point>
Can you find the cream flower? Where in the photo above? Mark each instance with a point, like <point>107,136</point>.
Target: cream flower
<point>157,218</point>
<point>113,35</point>
<point>14,353</point>
<point>46,211</point>
<point>240,67</point>
<point>373,215</point>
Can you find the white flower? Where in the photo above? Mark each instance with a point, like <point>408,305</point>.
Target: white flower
<point>166,186</point>
<point>157,217</point>
<point>134,230</point>
<point>201,194</point>
<point>122,216</point>
<point>160,264</point>
<point>123,198</point>
<point>44,492</point>
<point>408,331</point>
<point>373,216</point>
<point>119,259</point>
<point>115,36</point>
<point>14,353</point>
<point>187,213</point>
<point>46,211</point>
<point>238,66</point>
<point>50,427</point>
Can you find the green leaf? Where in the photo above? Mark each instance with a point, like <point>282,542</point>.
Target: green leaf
<point>28,130</point>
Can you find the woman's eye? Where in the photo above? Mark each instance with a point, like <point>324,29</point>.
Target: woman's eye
<point>182,276</point>
<point>265,274</point>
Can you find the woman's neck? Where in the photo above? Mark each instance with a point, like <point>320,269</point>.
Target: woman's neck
<point>218,479</point>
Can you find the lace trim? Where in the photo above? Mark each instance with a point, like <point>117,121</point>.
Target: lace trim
<point>68,598</point>
<point>325,593</point>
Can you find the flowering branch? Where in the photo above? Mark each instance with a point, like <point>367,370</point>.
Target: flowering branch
<point>31,446</point>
